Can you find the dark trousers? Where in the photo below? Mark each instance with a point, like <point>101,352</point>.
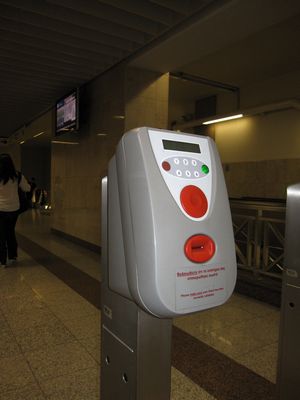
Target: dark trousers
<point>8,241</point>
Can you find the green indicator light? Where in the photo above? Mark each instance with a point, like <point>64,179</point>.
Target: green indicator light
<point>205,169</point>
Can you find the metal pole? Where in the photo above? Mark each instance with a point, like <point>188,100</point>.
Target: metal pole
<point>135,346</point>
<point>289,350</point>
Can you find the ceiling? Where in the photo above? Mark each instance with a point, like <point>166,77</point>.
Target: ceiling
<point>241,43</point>
<point>263,55</point>
<point>48,47</point>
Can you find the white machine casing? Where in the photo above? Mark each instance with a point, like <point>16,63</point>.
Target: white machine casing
<point>148,227</point>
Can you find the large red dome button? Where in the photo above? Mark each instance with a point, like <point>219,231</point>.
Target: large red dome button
<point>193,201</point>
<point>199,248</point>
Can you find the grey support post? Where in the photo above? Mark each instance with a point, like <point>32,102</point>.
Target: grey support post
<point>135,346</point>
<point>289,347</point>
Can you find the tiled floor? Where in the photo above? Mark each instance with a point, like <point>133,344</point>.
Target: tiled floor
<point>243,329</point>
<point>50,335</point>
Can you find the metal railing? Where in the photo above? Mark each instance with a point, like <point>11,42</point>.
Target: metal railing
<point>259,236</point>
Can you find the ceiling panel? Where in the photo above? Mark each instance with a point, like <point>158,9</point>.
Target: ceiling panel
<point>48,47</point>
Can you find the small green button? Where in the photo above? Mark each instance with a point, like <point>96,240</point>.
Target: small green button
<point>205,169</point>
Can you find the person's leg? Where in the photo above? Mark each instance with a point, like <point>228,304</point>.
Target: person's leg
<point>12,245</point>
<point>3,249</point>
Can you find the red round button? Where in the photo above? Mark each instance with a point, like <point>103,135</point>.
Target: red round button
<point>166,166</point>
<point>199,248</point>
<point>193,201</point>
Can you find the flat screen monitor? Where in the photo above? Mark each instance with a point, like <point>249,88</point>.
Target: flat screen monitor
<point>67,113</point>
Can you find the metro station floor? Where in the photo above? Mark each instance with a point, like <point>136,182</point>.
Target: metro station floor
<point>50,331</point>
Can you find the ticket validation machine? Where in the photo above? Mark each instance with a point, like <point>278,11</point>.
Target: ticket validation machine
<point>168,251</point>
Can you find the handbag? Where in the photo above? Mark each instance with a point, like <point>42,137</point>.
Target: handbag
<point>23,199</point>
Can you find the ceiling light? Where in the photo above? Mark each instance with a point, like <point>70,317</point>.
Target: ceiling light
<point>249,112</point>
<point>60,142</point>
<point>101,134</point>
<point>119,116</point>
<point>39,134</point>
<point>213,121</point>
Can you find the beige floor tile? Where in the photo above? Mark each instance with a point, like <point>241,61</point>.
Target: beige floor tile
<point>258,308</point>
<point>262,361</point>
<point>21,304</point>
<point>84,327</point>
<point>199,325</point>
<point>43,285</point>
<point>14,374</point>
<point>3,323</point>
<point>204,325</point>
<point>27,266</point>
<point>229,314</point>
<point>40,336</point>
<point>29,392</point>
<point>62,296</point>
<point>74,310</point>
<point>182,388</point>
<point>38,316</point>
<point>244,337</point>
<point>35,274</point>
<point>8,344</point>
<point>233,342</point>
<point>93,346</point>
<point>264,329</point>
<point>8,273</point>
<point>59,360</point>
<point>9,288</point>
<point>32,268</point>
<point>81,385</point>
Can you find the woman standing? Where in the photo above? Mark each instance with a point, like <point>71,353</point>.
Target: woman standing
<point>10,180</point>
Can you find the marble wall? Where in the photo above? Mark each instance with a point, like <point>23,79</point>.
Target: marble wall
<point>36,162</point>
<point>114,103</point>
<point>261,179</point>
<point>147,97</point>
<point>77,169</point>
<point>261,154</point>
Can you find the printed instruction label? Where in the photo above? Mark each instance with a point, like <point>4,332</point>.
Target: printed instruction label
<point>196,287</point>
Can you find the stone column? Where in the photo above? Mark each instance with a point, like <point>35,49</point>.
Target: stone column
<point>146,99</point>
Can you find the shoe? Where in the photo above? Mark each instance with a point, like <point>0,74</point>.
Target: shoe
<point>3,265</point>
<point>10,261</point>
